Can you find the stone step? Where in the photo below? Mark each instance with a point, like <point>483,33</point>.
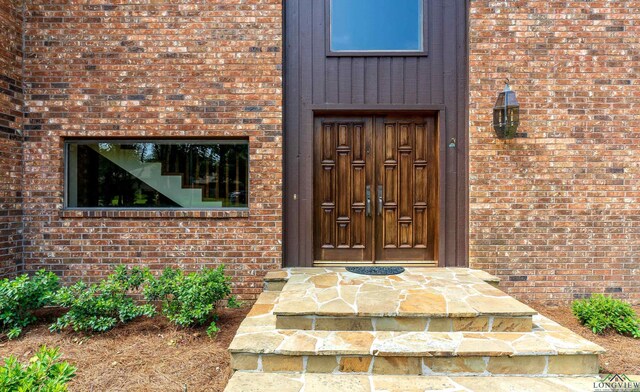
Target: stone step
<point>309,382</point>
<point>420,299</point>
<point>275,280</point>
<point>548,349</point>
<point>483,323</point>
<point>534,365</point>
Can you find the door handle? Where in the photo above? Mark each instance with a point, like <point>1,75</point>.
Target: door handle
<point>380,201</point>
<point>367,206</point>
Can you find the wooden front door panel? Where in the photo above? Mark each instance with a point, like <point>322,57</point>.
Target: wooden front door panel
<point>343,170</point>
<point>405,227</point>
<point>391,159</point>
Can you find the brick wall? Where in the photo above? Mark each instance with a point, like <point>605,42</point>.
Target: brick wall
<point>11,106</point>
<point>557,214</point>
<point>153,69</point>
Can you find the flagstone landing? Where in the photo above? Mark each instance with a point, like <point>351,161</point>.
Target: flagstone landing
<point>420,299</point>
<point>309,382</point>
<point>444,326</point>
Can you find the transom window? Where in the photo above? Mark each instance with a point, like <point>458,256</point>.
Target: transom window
<point>376,26</point>
<point>157,174</point>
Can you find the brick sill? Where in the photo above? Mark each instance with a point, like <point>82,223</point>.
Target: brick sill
<point>155,214</point>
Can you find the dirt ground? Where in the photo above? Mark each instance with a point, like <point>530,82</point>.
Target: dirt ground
<point>144,355</point>
<point>623,353</point>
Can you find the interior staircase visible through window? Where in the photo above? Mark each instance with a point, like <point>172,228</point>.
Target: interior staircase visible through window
<point>151,174</point>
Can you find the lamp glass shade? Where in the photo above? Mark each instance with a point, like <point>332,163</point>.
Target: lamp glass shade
<point>506,114</point>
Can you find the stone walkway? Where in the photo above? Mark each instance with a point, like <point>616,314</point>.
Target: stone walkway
<point>442,323</point>
<point>310,382</point>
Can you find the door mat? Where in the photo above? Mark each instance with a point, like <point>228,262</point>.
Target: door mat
<point>376,270</point>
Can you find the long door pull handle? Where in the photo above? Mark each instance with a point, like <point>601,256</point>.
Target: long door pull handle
<point>380,201</point>
<point>367,206</point>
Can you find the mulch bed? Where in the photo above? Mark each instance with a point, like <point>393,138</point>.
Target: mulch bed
<point>148,354</point>
<point>623,353</point>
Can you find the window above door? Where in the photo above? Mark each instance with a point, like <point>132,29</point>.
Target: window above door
<point>376,28</point>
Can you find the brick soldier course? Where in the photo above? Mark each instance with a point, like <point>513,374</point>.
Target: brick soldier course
<point>555,215</point>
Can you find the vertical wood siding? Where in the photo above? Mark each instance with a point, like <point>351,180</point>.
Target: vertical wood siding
<point>314,80</point>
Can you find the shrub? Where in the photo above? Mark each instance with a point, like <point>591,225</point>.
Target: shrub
<point>191,299</point>
<point>99,307</point>
<point>20,296</point>
<point>601,313</point>
<point>44,372</point>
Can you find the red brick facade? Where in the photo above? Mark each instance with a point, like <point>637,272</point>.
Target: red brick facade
<point>11,104</point>
<point>153,69</point>
<point>557,214</point>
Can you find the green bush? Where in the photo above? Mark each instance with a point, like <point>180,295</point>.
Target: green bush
<point>99,307</point>
<point>191,299</point>
<point>44,373</point>
<point>601,313</point>
<point>20,296</point>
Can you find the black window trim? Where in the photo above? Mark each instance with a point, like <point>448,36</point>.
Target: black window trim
<point>167,140</point>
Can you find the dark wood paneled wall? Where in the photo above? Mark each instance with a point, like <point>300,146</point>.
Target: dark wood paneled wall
<point>315,82</point>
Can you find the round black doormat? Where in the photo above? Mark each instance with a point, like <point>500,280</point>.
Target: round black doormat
<point>376,270</point>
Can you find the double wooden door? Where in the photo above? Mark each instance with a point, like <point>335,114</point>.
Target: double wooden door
<point>375,189</point>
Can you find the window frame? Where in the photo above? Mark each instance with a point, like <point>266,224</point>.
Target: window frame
<point>224,140</point>
<point>376,53</point>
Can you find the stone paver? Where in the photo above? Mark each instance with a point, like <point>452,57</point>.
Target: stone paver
<point>416,324</point>
<point>278,382</point>
<point>258,334</point>
<point>324,329</point>
<point>417,292</point>
<point>437,352</point>
<point>551,366</point>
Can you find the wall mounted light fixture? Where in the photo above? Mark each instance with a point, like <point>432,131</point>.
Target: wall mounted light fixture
<point>506,113</point>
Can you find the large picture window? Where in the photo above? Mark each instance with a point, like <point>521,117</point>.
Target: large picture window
<point>157,174</point>
<point>376,26</point>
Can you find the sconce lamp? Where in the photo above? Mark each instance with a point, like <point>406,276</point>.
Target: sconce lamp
<point>506,113</point>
